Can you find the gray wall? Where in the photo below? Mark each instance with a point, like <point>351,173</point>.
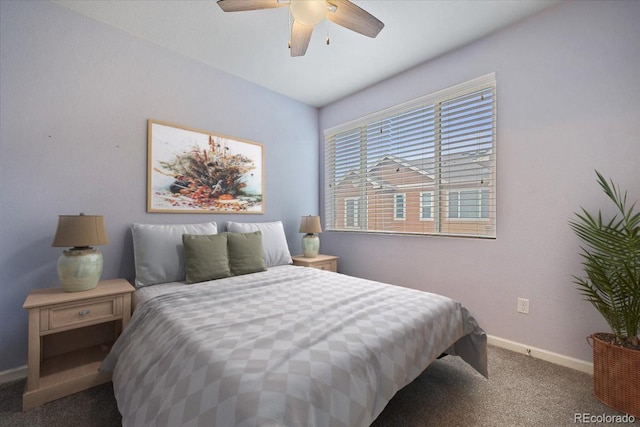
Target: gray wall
<point>75,98</point>
<point>568,103</point>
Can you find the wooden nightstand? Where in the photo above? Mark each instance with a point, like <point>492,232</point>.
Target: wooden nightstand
<point>70,333</point>
<point>322,262</point>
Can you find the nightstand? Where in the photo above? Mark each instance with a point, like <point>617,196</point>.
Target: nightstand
<point>70,334</point>
<point>321,262</point>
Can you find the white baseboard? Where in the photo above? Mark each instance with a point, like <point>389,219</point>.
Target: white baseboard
<point>13,374</point>
<point>538,353</point>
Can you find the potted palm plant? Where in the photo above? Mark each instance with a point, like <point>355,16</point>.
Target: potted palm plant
<point>611,282</point>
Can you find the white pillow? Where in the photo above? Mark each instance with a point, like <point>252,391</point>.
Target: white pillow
<point>274,241</point>
<point>158,251</point>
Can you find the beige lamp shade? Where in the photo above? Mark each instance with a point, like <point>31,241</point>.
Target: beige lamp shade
<point>310,224</point>
<point>80,231</point>
<point>80,267</point>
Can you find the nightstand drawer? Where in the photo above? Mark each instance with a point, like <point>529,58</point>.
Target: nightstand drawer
<point>329,266</point>
<point>88,312</point>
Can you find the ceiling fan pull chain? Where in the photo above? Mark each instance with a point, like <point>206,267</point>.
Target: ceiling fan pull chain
<point>290,27</point>
<point>328,39</point>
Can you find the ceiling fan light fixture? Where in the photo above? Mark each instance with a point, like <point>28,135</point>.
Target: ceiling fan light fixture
<point>308,12</point>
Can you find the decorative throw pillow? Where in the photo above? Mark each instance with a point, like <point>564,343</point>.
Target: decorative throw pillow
<point>205,257</point>
<point>158,250</point>
<point>274,241</point>
<point>245,252</point>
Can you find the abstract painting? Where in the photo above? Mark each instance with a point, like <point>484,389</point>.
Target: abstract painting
<point>195,171</point>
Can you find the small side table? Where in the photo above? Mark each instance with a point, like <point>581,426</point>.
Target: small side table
<point>70,334</point>
<point>321,262</point>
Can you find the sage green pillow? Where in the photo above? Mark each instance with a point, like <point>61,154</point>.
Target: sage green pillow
<point>205,257</point>
<point>245,252</point>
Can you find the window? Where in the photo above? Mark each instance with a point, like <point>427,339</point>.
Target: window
<point>351,212</point>
<point>399,212</point>
<point>424,167</point>
<point>469,204</point>
<point>426,205</point>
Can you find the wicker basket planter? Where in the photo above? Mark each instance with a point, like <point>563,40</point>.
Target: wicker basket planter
<point>616,375</point>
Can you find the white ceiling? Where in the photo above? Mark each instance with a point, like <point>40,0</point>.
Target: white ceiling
<point>253,45</point>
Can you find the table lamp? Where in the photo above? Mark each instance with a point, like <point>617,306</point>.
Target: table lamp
<point>80,267</point>
<point>310,241</point>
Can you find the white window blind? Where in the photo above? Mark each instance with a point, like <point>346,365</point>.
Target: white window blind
<point>424,167</point>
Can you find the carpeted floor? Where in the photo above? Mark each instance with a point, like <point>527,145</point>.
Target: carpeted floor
<point>521,391</point>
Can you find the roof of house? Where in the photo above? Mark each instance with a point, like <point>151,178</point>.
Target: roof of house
<point>455,168</point>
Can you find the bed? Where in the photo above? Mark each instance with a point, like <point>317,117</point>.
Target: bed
<point>284,346</point>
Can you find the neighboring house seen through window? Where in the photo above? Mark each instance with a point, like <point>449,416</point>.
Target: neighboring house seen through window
<point>424,167</point>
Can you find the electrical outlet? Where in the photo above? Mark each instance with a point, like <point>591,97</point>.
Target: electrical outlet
<point>523,306</point>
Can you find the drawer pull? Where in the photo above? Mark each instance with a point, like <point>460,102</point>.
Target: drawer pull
<point>84,312</point>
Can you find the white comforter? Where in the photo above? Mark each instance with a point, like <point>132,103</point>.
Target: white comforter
<point>290,346</point>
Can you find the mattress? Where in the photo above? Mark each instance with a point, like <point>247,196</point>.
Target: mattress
<point>290,346</point>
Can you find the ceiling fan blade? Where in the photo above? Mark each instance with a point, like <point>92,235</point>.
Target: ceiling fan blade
<point>353,17</point>
<point>300,36</point>
<point>242,5</point>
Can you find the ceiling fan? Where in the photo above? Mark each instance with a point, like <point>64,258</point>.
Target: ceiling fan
<point>307,13</point>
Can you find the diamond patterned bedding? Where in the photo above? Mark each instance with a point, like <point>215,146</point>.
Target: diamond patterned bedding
<point>290,346</point>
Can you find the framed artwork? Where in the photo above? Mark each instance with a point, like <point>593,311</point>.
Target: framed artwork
<point>194,171</point>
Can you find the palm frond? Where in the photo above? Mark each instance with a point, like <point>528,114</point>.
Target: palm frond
<point>611,261</point>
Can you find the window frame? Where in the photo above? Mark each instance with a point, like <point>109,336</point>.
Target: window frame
<point>403,197</point>
<point>462,146</point>
<point>356,213</point>
<point>459,218</point>
<point>422,206</point>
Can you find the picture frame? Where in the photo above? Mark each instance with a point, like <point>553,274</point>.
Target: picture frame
<point>195,171</point>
